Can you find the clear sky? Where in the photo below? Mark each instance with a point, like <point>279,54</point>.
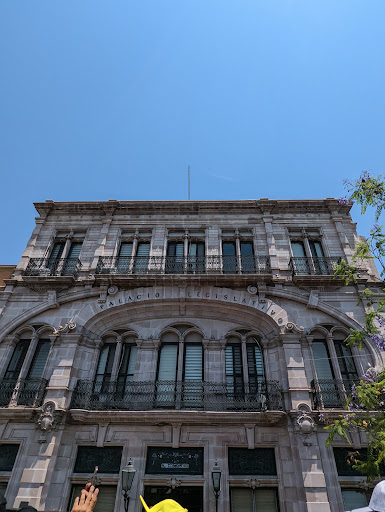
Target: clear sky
<point>114,99</point>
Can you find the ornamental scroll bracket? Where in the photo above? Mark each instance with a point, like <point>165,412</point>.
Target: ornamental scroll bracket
<point>261,290</point>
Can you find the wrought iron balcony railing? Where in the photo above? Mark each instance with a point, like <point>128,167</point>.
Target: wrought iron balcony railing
<point>181,265</point>
<point>331,393</point>
<point>313,266</point>
<point>145,396</point>
<point>44,267</point>
<point>27,392</point>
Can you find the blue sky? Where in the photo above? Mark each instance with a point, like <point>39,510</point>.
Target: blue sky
<point>113,100</point>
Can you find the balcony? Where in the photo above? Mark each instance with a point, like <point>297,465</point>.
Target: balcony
<point>42,267</point>
<point>331,393</point>
<point>183,265</point>
<point>187,395</point>
<point>313,266</point>
<point>26,392</point>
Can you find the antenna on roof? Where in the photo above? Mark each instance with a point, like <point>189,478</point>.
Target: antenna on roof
<point>189,183</point>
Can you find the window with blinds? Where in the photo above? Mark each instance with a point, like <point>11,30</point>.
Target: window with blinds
<point>106,497</point>
<point>234,373</point>
<point>168,362</point>
<point>255,366</point>
<point>39,359</point>
<point>193,362</point>
<point>142,258</point>
<point>254,500</point>
<point>17,359</point>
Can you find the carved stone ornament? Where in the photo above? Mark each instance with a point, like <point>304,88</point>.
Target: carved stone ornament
<point>69,326</point>
<point>292,327</point>
<point>46,419</point>
<point>174,482</point>
<point>305,423</point>
<point>252,289</point>
<point>113,290</point>
<point>253,483</point>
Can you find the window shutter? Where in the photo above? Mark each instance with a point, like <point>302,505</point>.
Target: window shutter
<point>57,250</point>
<point>255,363</point>
<point>193,369</point>
<point>265,500</point>
<point>168,362</point>
<point>75,249</point>
<point>125,249</point>
<point>39,360</point>
<point>143,249</point>
<point>241,500</point>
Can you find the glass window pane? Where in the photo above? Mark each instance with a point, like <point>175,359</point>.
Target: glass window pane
<point>247,249</point>
<point>321,360</point>
<point>75,249</point>
<point>125,249</point>
<point>57,250</point>
<point>354,498</point>
<point>298,249</point>
<point>316,249</point>
<point>229,249</point>
<point>17,359</point>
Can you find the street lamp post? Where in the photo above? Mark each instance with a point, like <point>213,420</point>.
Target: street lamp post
<point>216,474</point>
<point>128,475</point>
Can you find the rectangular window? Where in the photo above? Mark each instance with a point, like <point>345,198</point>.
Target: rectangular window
<point>174,461</point>
<point>106,497</point>
<point>229,252</point>
<point>107,459</point>
<point>127,365</point>
<point>259,461</point>
<point>168,362</point>
<point>196,258</point>
<point>8,453</point>
<point>190,497</point>
<point>254,500</point>
<point>175,258</point>
<point>255,366</point>
<point>193,362</point>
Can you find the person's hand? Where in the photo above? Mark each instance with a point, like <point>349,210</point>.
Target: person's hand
<point>87,500</point>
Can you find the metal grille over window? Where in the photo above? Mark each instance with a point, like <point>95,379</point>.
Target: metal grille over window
<point>107,459</point>
<point>259,461</point>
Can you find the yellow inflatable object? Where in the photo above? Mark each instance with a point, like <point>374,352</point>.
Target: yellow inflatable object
<point>164,506</point>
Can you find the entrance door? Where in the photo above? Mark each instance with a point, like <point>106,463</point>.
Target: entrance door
<point>188,497</point>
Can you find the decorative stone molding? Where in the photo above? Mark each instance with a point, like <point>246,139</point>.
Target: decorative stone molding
<point>52,299</point>
<point>173,482</point>
<point>305,423</point>
<point>113,290</point>
<point>293,328</point>
<point>63,329</point>
<point>103,294</point>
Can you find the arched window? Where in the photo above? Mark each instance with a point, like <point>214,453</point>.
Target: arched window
<point>335,367</point>
<point>23,381</point>
<point>180,369</point>
<point>116,365</point>
<point>244,368</point>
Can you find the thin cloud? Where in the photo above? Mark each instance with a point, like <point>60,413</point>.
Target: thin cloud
<point>224,178</point>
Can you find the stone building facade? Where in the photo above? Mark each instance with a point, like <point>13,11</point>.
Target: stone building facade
<point>180,335</point>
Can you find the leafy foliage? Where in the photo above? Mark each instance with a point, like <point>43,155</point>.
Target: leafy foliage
<point>366,404</point>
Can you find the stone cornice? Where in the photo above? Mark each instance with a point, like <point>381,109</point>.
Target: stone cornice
<point>171,417</point>
<point>259,206</point>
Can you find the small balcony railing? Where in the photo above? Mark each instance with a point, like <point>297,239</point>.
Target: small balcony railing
<point>183,265</point>
<point>331,393</point>
<point>27,392</point>
<point>44,267</point>
<point>313,266</point>
<point>145,396</point>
